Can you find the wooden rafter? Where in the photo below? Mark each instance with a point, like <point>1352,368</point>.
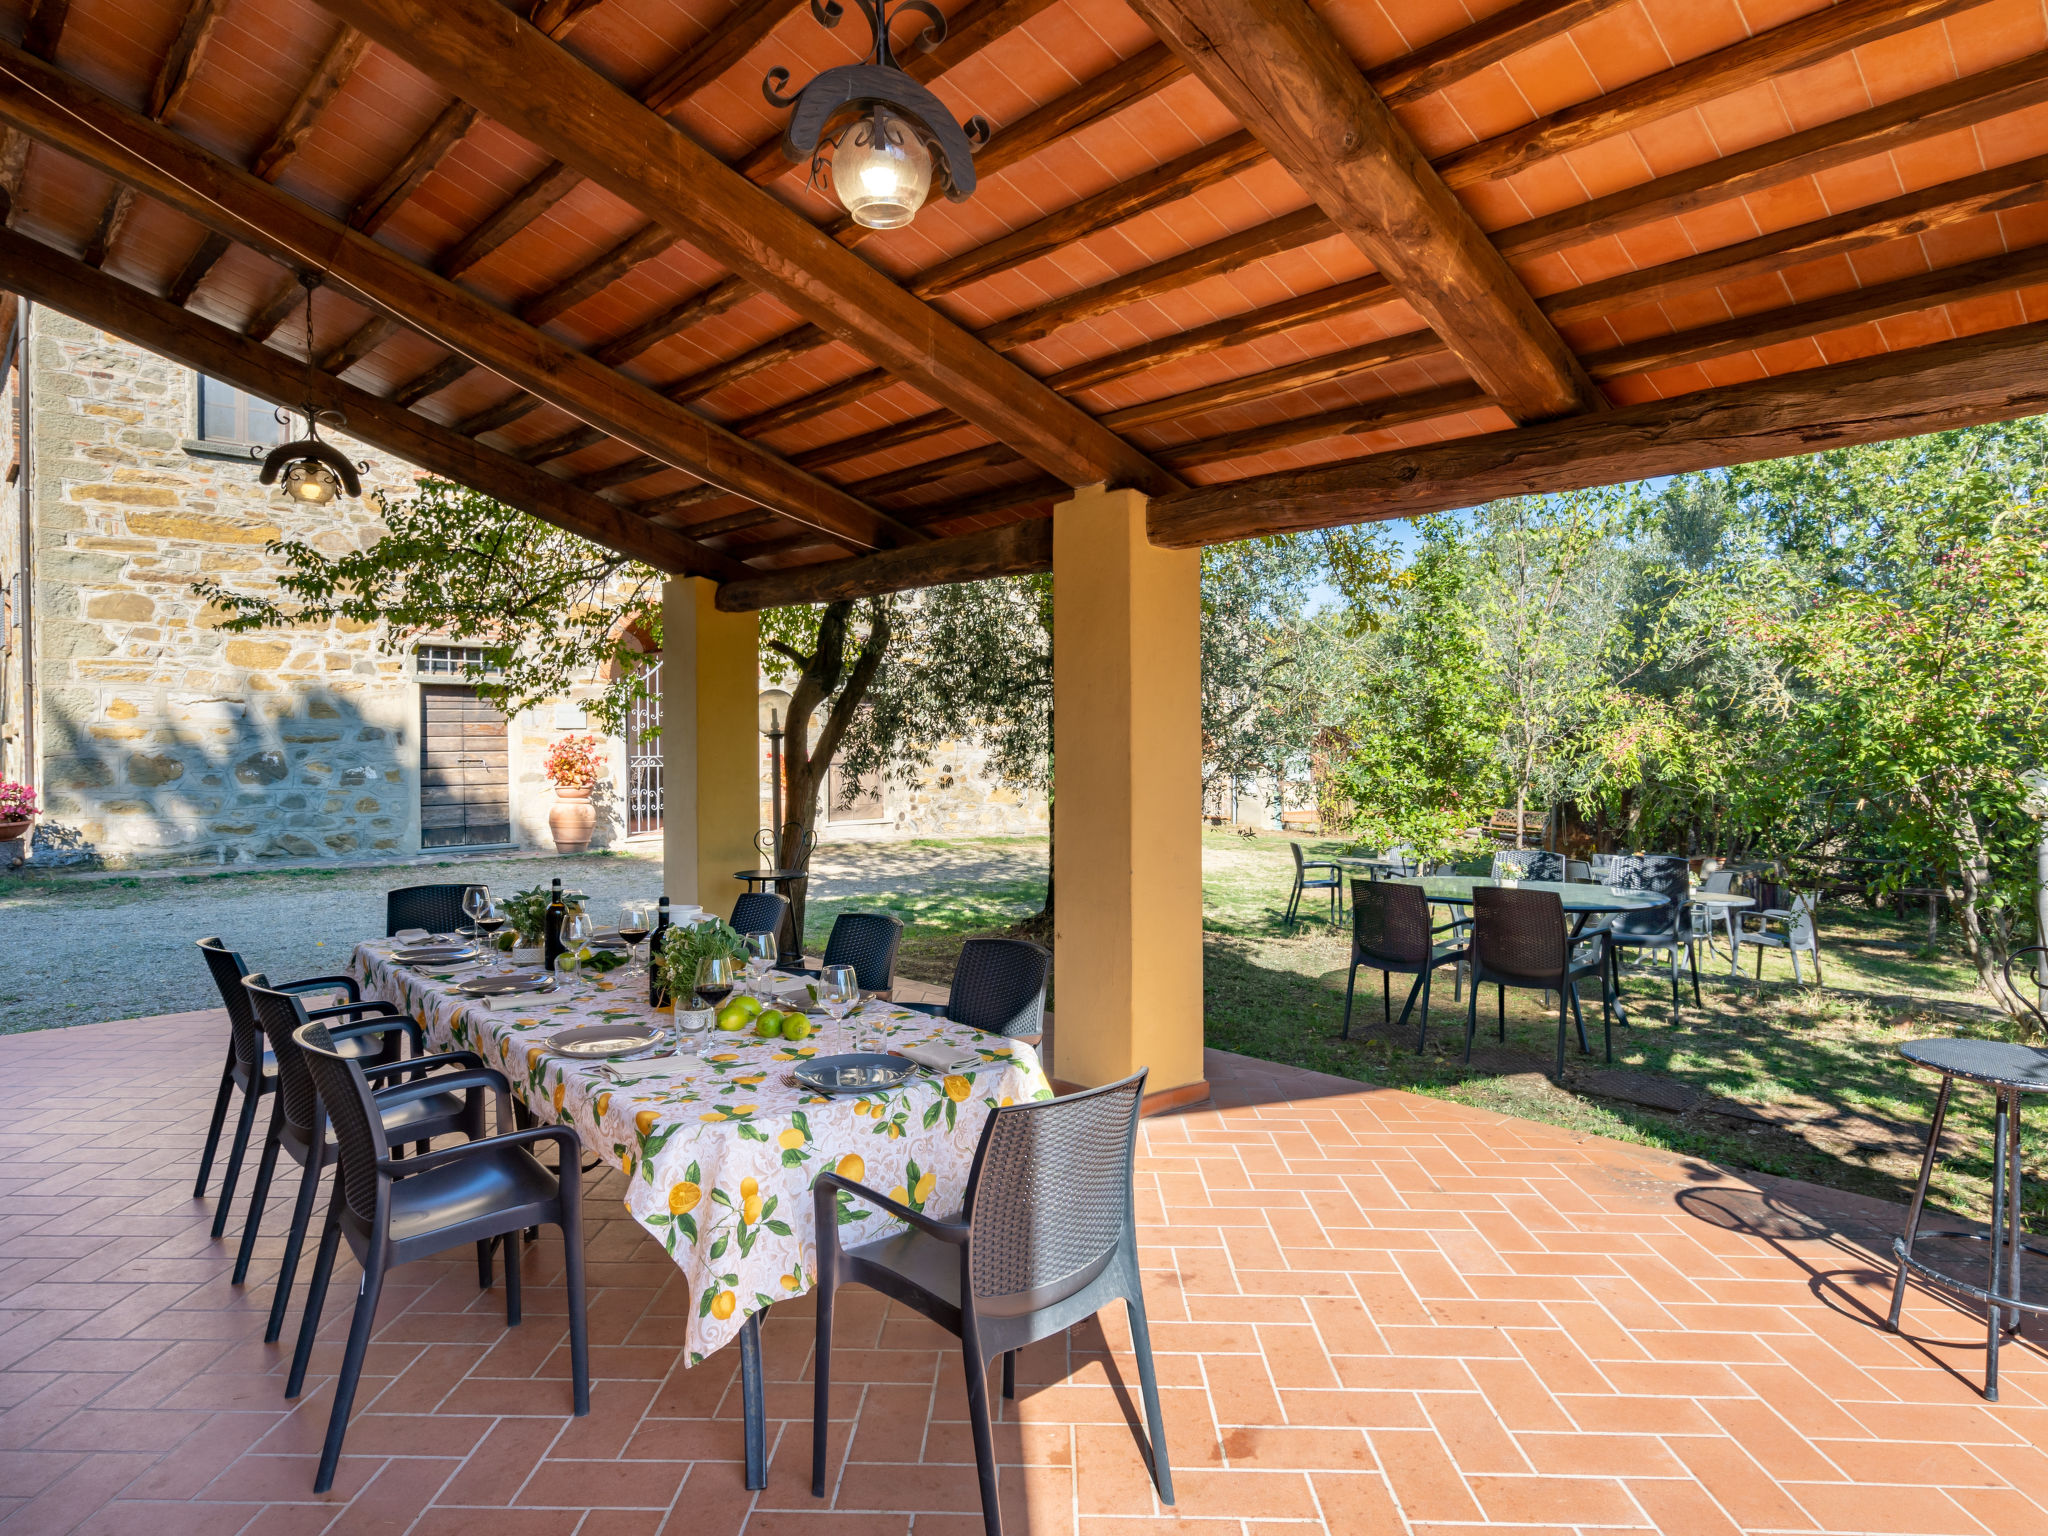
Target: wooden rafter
<point>376,206</point>
<point>1464,53</point>
<point>174,77</point>
<point>45,27</point>
<point>80,122</point>
<point>535,88</point>
<point>1012,549</point>
<point>336,65</point>
<point>1280,70</point>
<point>730,39</point>
<point>49,277</point>
<point>1993,377</point>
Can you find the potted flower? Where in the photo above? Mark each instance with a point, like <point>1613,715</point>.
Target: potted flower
<point>574,765</point>
<point>17,810</point>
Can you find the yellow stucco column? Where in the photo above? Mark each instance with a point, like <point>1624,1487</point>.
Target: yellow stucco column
<point>1127,849</point>
<point>710,755</point>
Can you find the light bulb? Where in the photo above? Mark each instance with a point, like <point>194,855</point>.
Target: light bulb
<point>881,170</point>
<point>311,482</point>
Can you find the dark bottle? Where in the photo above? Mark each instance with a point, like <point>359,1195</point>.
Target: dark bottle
<point>657,968</point>
<point>551,934</point>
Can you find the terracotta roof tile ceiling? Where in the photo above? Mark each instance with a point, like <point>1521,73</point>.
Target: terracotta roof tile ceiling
<point>1697,195</point>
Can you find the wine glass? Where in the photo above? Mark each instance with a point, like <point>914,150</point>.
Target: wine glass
<point>715,979</point>
<point>488,922</point>
<point>838,992</point>
<point>634,927</point>
<point>760,957</point>
<point>576,934</point>
<point>476,900</point>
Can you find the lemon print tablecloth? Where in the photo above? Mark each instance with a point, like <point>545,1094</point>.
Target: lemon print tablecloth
<point>721,1149</point>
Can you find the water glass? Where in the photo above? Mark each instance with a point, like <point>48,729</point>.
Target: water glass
<point>692,1025</point>
<point>576,935</point>
<point>760,957</point>
<point>839,992</point>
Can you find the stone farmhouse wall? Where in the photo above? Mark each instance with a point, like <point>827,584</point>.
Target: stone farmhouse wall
<point>160,739</point>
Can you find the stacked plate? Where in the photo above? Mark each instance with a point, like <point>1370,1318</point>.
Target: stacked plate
<point>434,954</point>
<point>507,984</point>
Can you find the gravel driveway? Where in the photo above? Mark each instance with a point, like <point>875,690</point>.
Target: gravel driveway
<point>80,949</point>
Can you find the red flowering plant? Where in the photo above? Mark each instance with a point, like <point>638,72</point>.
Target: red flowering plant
<point>17,801</point>
<point>575,762</point>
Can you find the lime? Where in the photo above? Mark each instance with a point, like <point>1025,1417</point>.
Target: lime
<point>751,1005</point>
<point>796,1026</point>
<point>733,1018</point>
<point>769,1025</point>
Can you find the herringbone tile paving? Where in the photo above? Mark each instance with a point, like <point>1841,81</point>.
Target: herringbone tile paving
<point>1374,1312</point>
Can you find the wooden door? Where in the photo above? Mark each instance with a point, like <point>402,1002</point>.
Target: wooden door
<point>465,797</point>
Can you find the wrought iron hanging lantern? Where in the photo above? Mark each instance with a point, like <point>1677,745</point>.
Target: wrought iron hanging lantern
<point>309,470</point>
<point>890,139</point>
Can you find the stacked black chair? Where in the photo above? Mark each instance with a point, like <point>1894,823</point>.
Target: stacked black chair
<point>415,1110</point>
<point>1391,933</point>
<point>392,1212</point>
<point>1519,940</point>
<point>1307,878</point>
<point>249,1066</point>
<point>1665,927</point>
<point>868,942</point>
<point>1529,864</point>
<point>998,986</point>
<point>760,912</point>
<point>1045,1238</point>
<point>436,908</point>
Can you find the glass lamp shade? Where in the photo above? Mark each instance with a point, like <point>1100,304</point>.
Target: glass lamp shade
<point>774,706</point>
<point>311,483</point>
<point>881,170</point>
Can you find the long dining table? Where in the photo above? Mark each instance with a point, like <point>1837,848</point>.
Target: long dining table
<point>720,1148</point>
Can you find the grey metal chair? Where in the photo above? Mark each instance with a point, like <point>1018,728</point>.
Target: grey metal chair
<point>416,1111</point>
<point>1666,927</point>
<point>436,908</point>
<point>1046,1237</point>
<point>760,912</point>
<point>1528,864</point>
<point>1519,939</point>
<point>868,942</point>
<point>998,986</point>
<point>249,1065</point>
<point>1391,933</point>
<point>483,1192</point>
<point>1307,879</point>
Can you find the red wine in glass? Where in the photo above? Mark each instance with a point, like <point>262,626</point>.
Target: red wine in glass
<point>714,993</point>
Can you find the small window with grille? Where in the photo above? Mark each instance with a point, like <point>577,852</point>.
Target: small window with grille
<point>230,415</point>
<point>455,661</point>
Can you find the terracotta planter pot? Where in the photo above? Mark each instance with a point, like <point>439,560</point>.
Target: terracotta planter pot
<point>572,819</point>
<point>11,831</point>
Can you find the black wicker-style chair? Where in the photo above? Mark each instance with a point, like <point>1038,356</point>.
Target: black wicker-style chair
<point>1045,1237</point>
<point>1519,940</point>
<point>249,1066</point>
<point>391,1212</point>
<point>1307,878</point>
<point>1391,933</point>
<point>1528,864</point>
<point>760,912</point>
<point>415,1110</point>
<point>1665,927</point>
<point>998,986</point>
<point>436,908</point>
<point>868,942</point>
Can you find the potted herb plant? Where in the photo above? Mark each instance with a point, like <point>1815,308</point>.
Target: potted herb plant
<point>687,943</point>
<point>574,765</point>
<point>526,918</point>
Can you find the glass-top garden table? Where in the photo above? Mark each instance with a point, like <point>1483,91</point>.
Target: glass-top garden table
<point>720,1149</point>
<point>1581,902</point>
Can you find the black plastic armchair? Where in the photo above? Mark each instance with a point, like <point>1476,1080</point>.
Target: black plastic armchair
<point>1519,940</point>
<point>415,1109</point>
<point>998,986</point>
<point>1046,1237</point>
<point>1391,933</point>
<point>249,1066</point>
<point>391,1212</point>
<point>868,942</point>
<point>760,912</point>
<point>1307,879</point>
<point>1665,927</point>
<point>1528,864</point>
<point>436,908</point>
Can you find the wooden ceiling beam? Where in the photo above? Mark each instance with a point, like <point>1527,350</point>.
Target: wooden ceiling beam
<point>1464,53</point>
<point>730,39</point>
<point>14,146</point>
<point>1286,379</point>
<point>639,467</point>
<point>359,344</point>
<point>704,304</point>
<point>1011,549</point>
<point>538,90</point>
<point>433,381</point>
<point>1277,66</point>
<point>79,121</point>
<point>558,18</point>
<point>1143,75</point>
<point>1946,108</point>
<point>492,418</point>
<point>188,46</point>
<point>45,27</point>
<point>1992,377</point>
<point>113,216</point>
<point>1792,45</point>
<point>1345,421</point>
<point>644,244</point>
<point>341,60</point>
<point>48,277</point>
